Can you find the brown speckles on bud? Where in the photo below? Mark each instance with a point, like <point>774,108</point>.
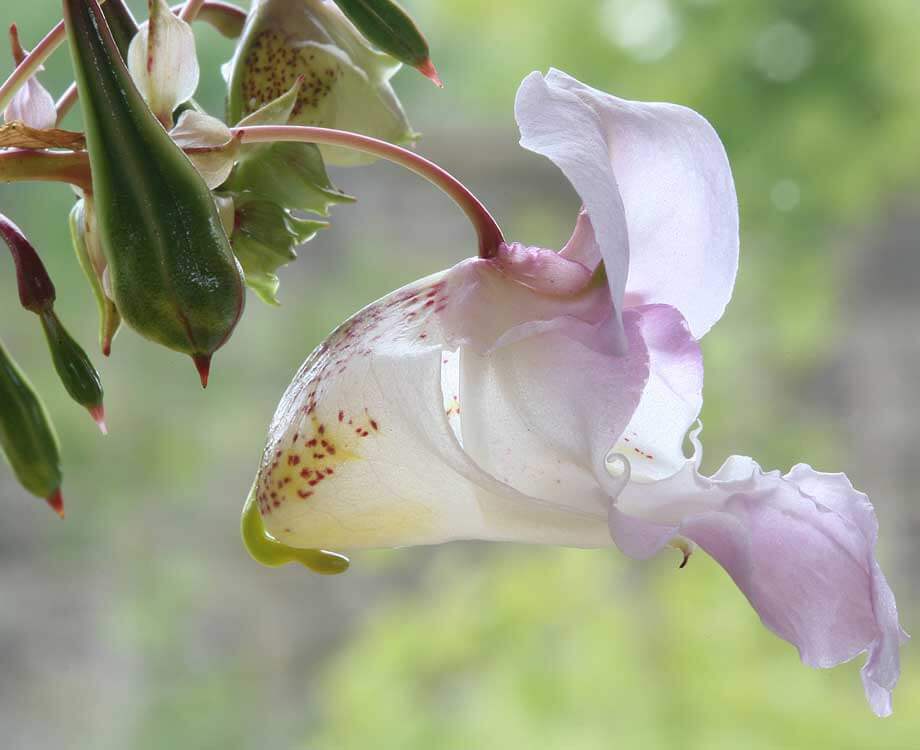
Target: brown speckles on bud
<point>274,64</point>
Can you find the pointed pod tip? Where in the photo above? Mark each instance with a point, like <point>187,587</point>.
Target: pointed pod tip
<point>428,70</point>
<point>203,365</point>
<point>106,347</point>
<point>56,501</point>
<point>98,415</point>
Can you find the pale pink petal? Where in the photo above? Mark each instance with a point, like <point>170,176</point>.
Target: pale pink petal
<point>540,410</point>
<point>582,246</point>
<point>801,547</point>
<point>671,401</point>
<point>544,271</point>
<point>560,126</point>
<point>32,105</point>
<point>669,177</point>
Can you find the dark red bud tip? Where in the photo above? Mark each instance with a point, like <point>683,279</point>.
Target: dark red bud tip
<point>106,346</point>
<point>427,69</point>
<point>56,501</point>
<point>98,415</point>
<point>203,365</point>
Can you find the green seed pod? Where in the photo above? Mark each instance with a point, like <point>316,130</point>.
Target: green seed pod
<point>172,271</point>
<point>89,253</point>
<point>74,368</point>
<point>346,82</point>
<point>27,437</point>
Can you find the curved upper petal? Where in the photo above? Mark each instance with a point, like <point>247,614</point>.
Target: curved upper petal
<point>801,547</point>
<point>557,124</point>
<point>655,180</point>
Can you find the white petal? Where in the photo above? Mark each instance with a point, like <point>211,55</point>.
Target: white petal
<point>163,62</point>
<point>213,147</point>
<point>673,179</point>
<point>361,452</point>
<point>672,398</point>
<point>32,105</point>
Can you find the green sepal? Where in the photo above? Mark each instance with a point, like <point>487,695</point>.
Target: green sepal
<point>88,252</point>
<point>388,27</point>
<point>27,437</point>
<point>121,23</point>
<point>290,174</point>
<point>265,237</point>
<point>173,273</point>
<point>268,551</point>
<point>74,368</point>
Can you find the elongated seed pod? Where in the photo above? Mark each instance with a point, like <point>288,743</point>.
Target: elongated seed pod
<point>173,274</point>
<point>26,435</point>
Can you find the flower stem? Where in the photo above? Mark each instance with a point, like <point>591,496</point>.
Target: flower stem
<point>190,11</point>
<point>490,236</point>
<point>20,165</point>
<point>32,62</point>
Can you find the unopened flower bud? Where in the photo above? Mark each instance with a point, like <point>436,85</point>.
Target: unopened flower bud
<point>76,372</point>
<point>346,82</point>
<point>173,273</point>
<point>27,437</point>
<point>163,62</point>
<point>32,104</point>
<point>85,237</point>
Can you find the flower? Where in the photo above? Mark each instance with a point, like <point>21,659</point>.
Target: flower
<point>531,397</point>
<point>32,105</point>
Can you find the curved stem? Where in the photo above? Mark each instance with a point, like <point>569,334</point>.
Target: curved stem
<point>65,103</point>
<point>20,165</point>
<point>490,236</point>
<point>32,62</point>
<point>190,10</point>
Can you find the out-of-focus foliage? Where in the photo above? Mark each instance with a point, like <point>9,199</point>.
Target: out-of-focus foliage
<point>140,622</point>
<point>547,651</point>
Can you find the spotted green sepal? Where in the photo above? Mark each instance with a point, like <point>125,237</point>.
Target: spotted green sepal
<point>172,271</point>
<point>389,28</point>
<point>91,259</point>
<point>268,551</point>
<point>265,237</point>
<point>346,81</point>
<point>26,435</point>
<point>74,368</point>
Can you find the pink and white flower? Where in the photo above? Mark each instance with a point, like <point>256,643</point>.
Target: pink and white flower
<point>530,397</point>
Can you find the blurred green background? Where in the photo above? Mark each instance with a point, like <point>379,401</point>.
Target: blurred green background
<point>141,623</point>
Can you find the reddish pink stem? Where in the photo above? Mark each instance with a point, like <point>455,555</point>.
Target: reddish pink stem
<point>490,236</point>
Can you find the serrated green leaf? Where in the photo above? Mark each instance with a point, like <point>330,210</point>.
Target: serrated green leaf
<point>265,238</point>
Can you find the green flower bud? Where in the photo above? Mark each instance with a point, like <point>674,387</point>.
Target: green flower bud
<point>85,238</point>
<point>392,30</point>
<point>27,437</point>
<point>73,367</point>
<point>264,239</point>
<point>172,271</point>
<point>346,82</point>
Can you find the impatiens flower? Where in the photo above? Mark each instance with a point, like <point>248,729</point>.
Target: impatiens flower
<point>163,62</point>
<point>543,397</point>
